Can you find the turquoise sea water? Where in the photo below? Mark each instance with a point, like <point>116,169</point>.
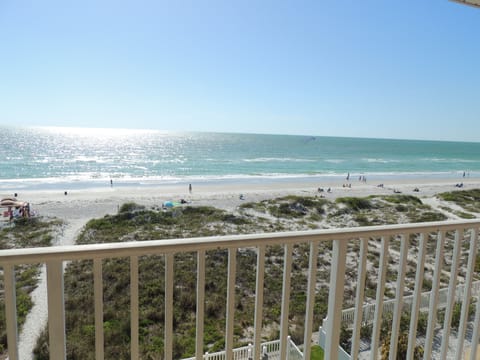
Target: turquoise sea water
<point>47,157</point>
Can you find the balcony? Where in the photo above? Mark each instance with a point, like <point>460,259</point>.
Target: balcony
<point>397,263</point>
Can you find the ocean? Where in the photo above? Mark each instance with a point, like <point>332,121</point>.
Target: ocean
<point>51,157</point>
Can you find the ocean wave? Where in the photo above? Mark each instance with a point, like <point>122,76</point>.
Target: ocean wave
<point>449,160</point>
<point>91,159</point>
<point>275,159</point>
<point>380,160</point>
<point>335,161</point>
<point>96,180</point>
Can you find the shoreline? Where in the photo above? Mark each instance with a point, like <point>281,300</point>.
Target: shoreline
<point>66,183</point>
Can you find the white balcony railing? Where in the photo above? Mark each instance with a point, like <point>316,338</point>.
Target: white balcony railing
<point>348,315</point>
<point>461,235</point>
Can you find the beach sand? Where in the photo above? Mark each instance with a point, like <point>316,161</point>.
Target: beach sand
<point>80,205</point>
<point>96,202</point>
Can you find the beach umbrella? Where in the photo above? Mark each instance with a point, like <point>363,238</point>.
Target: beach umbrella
<point>11,202</point>
<point>8,202</point>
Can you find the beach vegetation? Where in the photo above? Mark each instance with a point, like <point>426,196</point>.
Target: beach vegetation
<point>477,263</point>
<point>193,222</point>
<point>401,199</point>
<point>355,203</point>
<point>260,206</point>
<point>464,215</point>
<point>457,313</point>
<point>426,216</point>
<point>402,345</point>
<point>402,348</point>
<point>288,210</point>
<point>459,213</point>
<point>380,210</point>
<point>363,220</point>
<point>345,337</point>
<point>130,207</point>
<point>427,284</point>
<point>136,223</point>
<point>291,207</point>
<point>469,200</point>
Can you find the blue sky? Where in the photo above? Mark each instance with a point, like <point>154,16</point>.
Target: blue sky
<point>394,69</point>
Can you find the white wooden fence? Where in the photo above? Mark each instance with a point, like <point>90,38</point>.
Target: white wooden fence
<point>270,351</point>
<point>348,315</point>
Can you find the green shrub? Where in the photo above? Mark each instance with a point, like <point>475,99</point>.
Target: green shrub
<point>129,207</point>
<point>402,348</point>
<point>402,199</point>
<point>355,203</point>
<point>468,199</point>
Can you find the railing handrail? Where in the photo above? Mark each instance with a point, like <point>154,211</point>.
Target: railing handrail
<point>138,248</point>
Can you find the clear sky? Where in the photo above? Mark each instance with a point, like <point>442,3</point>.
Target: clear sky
<point>373,68</point>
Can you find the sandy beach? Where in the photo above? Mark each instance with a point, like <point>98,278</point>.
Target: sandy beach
<point>96,202</point>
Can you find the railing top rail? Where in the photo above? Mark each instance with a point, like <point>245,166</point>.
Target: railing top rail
<point>125,249</point>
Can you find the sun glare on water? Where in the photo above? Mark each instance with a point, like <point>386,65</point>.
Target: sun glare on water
<point>101,133</point>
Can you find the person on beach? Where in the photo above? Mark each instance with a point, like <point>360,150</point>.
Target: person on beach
<point>190,188</point>
<point>111,183</point>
